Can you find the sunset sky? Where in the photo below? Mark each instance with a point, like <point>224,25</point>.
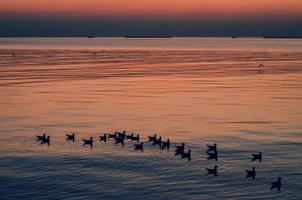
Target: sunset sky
<point>173,17</point>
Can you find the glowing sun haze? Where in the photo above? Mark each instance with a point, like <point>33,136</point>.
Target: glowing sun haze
<point>157,8</point>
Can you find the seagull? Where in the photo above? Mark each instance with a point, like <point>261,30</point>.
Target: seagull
<point>212,171</point>
<point>41,137</point>
<point>180,149</point>
<point>139,146</point>
<point>135,138</point>
<point>111,135</point>
<point>166,144</point>
<point>129,136</point>
<point>186,155</point>
<point>152,138</point>
<point>257,157</point>
<point>70,137</point>
<point>213,156</point>
<point>157,141</point>
<point>46,140</point>
<point>122,135</point>
<point>260,67</point>
<point>212,147</point>
<point>103,138</point>
<point>277,184</point>
<point>251,173</point>
<point>119,140</point>
<point>88,142</point>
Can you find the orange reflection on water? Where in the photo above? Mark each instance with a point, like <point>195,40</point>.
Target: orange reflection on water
<point>188,99</point>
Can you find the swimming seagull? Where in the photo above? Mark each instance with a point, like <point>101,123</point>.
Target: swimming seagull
<point>152,138</point>
<point>121,134</point>
<point>112,135</point>
<point>212,156</point>
<point>119,140</point>
<point>135,138</point>
<point>70,137</point>
<point>41,137</point>
<point>251,173</point>
<point>257,157</point>
<point>212,147</point>
<point>277,184</point>
<point>186,155</point>
<point>88,142</point>
<point>180,149</point>
<point>212,171</point>
<point>179,152</point>
<point>260,67</point>
<point>139,146</point>
<point>46,140</point>
<point>157,141</point>
<point>129,137</point>
<point>103,138</point>
<point>166,144</point>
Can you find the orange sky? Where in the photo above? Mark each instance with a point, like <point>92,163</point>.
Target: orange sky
<point>157,8</point>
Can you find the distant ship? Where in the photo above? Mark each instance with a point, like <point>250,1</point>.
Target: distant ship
<point>148,36</point>
<point>234,36</point>
<point>283,37</point>
<point>91,36</point>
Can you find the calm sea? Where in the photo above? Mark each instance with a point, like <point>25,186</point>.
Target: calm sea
<point>194,90</point>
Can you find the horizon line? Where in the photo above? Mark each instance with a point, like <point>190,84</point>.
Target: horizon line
<point>154,36</point>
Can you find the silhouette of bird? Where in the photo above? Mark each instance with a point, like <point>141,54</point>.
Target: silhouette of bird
<point>152,138</point>
<point>212,155</point>
<point>112,135</point>
<point>186,155</point>
<point>103,138</point>
<point>277,184</point>
<point>212,171</point>
<point>260,67</point>
<point>121,135</point>
<point>46,140</point>
<point>180,149</point>
<point>165,144</point>
<point>41,137</point>
<point>129,137</point>
<point>88,142</point>
<point>135,138</point>
<point>212,147</point>
<point>251,173</point>
<point>139,146</point>
<point>70,137</point>
<point>157,141</point>
<point>257,157</point>
<point>119,140</point>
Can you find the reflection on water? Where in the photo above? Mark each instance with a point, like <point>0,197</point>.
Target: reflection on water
<point>195,96</point>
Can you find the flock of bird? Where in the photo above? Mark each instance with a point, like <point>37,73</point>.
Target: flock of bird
<point>120,137</point>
